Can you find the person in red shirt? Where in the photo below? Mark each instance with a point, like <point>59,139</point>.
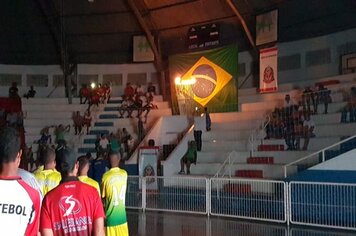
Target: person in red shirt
<point>129,91</point>
<point>84,92</point>
<point>20,203</point>
<point>73,207</point>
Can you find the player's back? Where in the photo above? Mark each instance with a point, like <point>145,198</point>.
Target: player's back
<point>74,202</point>
<point>91,182</point>
<point>19,209</point>
<point>47,179</point>
<point>113,191</point>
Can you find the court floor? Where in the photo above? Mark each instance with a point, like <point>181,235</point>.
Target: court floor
<point>175,224</point>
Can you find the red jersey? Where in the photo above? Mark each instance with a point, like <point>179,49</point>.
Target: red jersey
<point>19,207</point>
<point>71,209</point>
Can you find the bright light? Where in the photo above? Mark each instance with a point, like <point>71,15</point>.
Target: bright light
<point>177,80</point>
<point>93,85</point>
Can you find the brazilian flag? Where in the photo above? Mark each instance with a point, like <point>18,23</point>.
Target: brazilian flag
<point>209,78</point>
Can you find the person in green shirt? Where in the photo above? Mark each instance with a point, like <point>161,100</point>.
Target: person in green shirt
<point>189,157</point>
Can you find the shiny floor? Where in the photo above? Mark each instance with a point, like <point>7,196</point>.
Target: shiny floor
<point>174,224</point>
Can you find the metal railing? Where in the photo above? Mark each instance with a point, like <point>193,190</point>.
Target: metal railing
<point>228,162</point>
<point>302,203</point>
<point>322,204</point>
<point>314,158</point>
<point>249,199</point>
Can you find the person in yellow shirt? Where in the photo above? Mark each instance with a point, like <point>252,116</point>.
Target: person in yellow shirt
<point>114,184</point>
<point>83,173</point>
<point>48,178</point>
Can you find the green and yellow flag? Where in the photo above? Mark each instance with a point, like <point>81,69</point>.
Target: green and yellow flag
<point>208,77</point>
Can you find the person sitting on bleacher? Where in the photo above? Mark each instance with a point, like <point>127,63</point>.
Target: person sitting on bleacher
<point>13,91</point>
<point>129,91</point>
<point>94,99</point>
<point>151,90</point>
<point>31,93</point>
<point>101,92</point>
<point>139,90</point>
<point>298,118</point>
<point>190,157</point>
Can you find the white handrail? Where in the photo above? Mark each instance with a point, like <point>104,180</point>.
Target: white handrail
<point>258,129</point>
<point>315,153</point>
<point>224,164</point>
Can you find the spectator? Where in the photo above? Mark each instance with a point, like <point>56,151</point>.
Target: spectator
<point>190,157</point>
<point>45,138</point>
<point>103,145</point>
<point>308,126</point>
<point>125,139</point>
<point>139,90</point>
<point>323,96</point>
<point>13,91</point>
<point>141,129</point>
<point>14,191</point>
<point>83,169</point>
<point>151,90</point>
<point>48,178</point>
<point>113,192</point>
<point>84,92</point>
<point>199,126</point>
<point>78,122</point>
<point>31,93</point>
<point>60,132</point>
<point>138,105</point>
<point>115,145</point>
<point>350,107</point>
<point>129,91</point>
<point>70,201</point>
<point>87,120</point>
<point>107,88</point>
<point>288,104</point>
<point>308,96</point>
<point>207,119</point>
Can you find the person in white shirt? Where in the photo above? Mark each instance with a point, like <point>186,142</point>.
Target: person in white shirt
<point>308,126</point>
<point>199,126</point>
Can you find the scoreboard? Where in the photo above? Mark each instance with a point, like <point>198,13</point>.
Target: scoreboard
<point>203,36</point>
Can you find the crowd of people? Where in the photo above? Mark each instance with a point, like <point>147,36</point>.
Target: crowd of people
<point>64,197</point>
<point>293,121</point>
<point>96,95</point>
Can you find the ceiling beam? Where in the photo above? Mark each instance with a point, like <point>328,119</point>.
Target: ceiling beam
<point>243,23</point>
<point>150,38</point>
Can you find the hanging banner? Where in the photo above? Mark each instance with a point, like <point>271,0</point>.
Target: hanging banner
<point>267,27</point>
<point>208,78</point>
<point>147,166</point>
<point>268,70</point>
<point>141,49</point>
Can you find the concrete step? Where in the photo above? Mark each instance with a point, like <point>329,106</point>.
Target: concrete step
<point>55,107</point>
<point>269,171</point>
<point>280,157</point>
<point>103,124</point>
<point>271,105</point>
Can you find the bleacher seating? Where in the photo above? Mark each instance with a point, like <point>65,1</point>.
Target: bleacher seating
<point>232,132</point>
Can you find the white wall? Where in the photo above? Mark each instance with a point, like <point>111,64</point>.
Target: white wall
<point>165,131</point>
<point>346,161</point>
<point>332,41</point>
<point>83,69</point>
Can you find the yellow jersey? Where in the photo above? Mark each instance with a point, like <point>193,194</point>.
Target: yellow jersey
<point>90,181</point>
<point>48,180</point>
<point>114,184</point>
